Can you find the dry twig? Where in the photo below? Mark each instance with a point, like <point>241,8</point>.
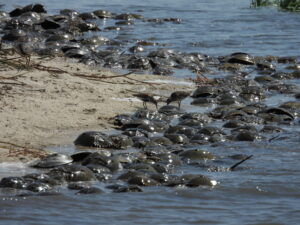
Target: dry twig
<point>201,79</point>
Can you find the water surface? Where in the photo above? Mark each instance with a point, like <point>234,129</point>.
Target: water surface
<point>211,27</point>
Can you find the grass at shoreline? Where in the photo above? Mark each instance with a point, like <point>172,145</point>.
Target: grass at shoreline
<point>287,5</point>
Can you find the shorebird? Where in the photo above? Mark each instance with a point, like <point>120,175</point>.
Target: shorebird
<point>146,98</point>
<point>24,51</point>
<point>177,96</point>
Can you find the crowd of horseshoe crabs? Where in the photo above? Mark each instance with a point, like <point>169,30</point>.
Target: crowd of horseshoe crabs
<point>151,145</point>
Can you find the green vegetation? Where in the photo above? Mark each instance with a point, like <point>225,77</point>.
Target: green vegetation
<point>262,3</point>
<point>289,5</point>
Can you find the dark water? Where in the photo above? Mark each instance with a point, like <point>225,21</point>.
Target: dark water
<point>265,192</point>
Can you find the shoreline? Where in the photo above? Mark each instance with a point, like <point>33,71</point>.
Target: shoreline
<point>41,108</point>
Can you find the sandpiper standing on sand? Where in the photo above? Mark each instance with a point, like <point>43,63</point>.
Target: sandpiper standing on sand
<point>146,98</point>
<point>177,96</point>
<point>25,51</point>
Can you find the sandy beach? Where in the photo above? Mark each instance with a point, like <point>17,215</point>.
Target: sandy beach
<point>52,102</point>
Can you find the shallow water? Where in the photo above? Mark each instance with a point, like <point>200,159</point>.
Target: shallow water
<point>266,191</point>
<point>208,26</point>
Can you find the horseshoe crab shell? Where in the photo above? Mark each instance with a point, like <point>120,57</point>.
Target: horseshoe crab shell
<point>52,161</point>
<point>241,58</point>
<point>197,154</point>
<point>200,180</point>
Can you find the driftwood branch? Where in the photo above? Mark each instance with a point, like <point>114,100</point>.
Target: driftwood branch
<point>96,77</point>
<point>9,144</point>
<point>12,83</point>
<point>21,63</point>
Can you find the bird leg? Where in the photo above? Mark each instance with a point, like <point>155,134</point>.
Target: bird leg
<point>27,58</point>
<point>144,104</point>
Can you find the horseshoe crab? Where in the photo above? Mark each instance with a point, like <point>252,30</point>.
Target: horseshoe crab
<point>15,35</point>
<point>197,116</point>
<point>38,8</point>
<point>290,105</point>
<point>196,154</point>
<point>130,188</point>
<point>205,91</point>
<point>241,58</point>
<point>136,132</point>
<point>204,101</point>
<point>53,160</point>
<point>283,113</point>
<point>38,187</point>
<point>252,93</point>
<point>94,139</point>
<point>192,123</point>
<point>142,180</point>
<point>170,110</point>
<point>246,135</point>
<point>103,14</point>
<point>200,180</point>
<point>72,173</point>
<point>13,182</point>
<point>180,129</point>
<point>88,16</point>
<point>150,115</point>
<point>89,190</point>
<point>177,138</point>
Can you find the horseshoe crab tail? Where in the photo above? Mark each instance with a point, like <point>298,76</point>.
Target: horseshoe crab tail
<point>240,162</point>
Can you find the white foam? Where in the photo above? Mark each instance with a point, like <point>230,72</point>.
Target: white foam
<point>213,182</point>
<point>15,169</point>
<point>127,99</point>
<point>178,82</point>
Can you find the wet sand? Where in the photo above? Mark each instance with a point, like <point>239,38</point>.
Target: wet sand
<point>39,108</point>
